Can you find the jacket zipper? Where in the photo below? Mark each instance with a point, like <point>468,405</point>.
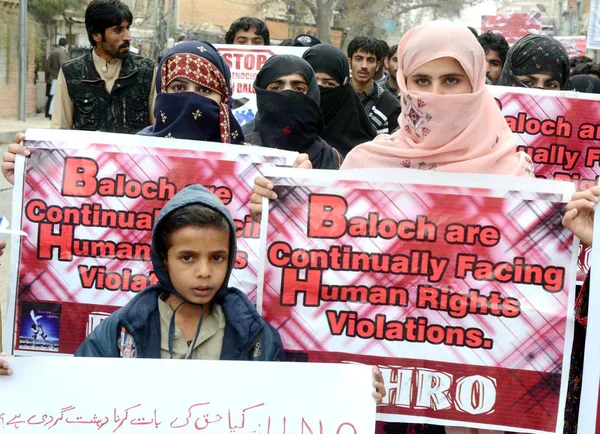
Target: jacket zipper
<point>124,113</point>
<point>253,343</point>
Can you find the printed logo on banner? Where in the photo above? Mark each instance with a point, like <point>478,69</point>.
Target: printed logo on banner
<point>94,320</point>
<point>39,327</point>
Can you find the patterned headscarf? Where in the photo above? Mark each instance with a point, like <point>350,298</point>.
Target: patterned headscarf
<point>188,115</point>
<point>536,54</point>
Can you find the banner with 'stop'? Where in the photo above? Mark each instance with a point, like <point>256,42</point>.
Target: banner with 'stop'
<point>462,295</point>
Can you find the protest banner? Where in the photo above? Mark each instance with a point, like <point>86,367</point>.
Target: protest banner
<point>512,26</point>
<point>86,395</point>
<point>593,32</point>
<point>560,132</point>
<point>575,45</point>
<point>88,202</point>
<point>460,287</point>
<point>244,62</point>
<point>589,407</point>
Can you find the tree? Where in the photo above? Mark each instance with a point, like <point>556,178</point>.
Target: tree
<point>46,11</point>
<point>362,16</point>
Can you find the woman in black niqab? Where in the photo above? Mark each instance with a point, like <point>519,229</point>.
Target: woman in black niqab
<point>290,119</point>
<point>346,122</point>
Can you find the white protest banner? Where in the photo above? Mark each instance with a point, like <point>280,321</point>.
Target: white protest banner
<point>104,395</point>
<point>593,34</point>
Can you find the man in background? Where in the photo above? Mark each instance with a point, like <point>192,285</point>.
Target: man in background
<point>496,48</point>
<point>391,64</point>
<point>248,31</point>
<point>108,88</point>
<point>57,57</point>
<point>381,74</point>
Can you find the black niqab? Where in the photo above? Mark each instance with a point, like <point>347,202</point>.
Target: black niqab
<point>346,122</point>
<point>288,119</point>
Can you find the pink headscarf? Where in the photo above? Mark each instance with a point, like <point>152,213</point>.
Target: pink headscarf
<point>463,133</point>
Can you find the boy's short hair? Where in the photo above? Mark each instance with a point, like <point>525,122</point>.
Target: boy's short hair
<point>494,41</point>
<point>392,51</point>
<point>368,44</point>
<point>195,215</point>
<point>245,24</point>
<point>103,14</point>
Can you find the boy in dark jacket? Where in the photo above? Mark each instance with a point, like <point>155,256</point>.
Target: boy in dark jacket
<point>191,312</point>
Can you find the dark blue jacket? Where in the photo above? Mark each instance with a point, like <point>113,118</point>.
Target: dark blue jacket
<point>247,336</point>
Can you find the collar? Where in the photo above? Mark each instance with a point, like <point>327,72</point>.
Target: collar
<point>371,93</point>
<point>101,63</point>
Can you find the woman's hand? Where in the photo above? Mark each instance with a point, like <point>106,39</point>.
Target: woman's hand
<point>8,159</point>
<point>264,188</point>
<point>579,217</point>
<point>379,385</point>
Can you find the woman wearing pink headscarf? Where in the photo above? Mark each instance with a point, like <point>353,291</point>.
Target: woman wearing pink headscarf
<point>449,122</point>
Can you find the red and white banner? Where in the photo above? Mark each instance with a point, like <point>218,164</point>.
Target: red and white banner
<point>460,290</point>
<point>575,45</point>
<point>512,26</point>
<point>88,202</point>
<point>560,131</point>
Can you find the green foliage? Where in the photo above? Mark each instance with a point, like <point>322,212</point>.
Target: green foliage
<point>45,11</point>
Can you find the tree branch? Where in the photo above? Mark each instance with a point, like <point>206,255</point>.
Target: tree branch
<point>310,5</point>
<point>417,6</point>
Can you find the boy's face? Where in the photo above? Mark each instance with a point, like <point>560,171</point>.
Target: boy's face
<point>197,262</point>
